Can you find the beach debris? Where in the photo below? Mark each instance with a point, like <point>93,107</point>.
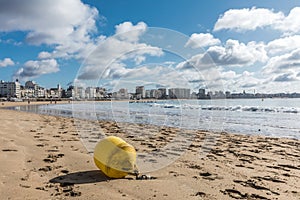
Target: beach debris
<point>145,177</point>
<point>115,158</point>
<point>9,150</point>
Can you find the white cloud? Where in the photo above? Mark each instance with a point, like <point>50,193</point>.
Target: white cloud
<point>6,62</point>
<point>139,59</point>
<point>129,32</point>
<point>283,45</point>
<point>48,21</point>
<point>239,54</point>
<point>246,80</point>
<point>66,26</point>
<point>247,19</point>
<point>34,68</point>
<point>289,62</point>
<point>110,54</point>
<point>254,18</point>
<point>44,55</point>
<point>286,77</point>
<point>202,40</point>
<point>291,23</point>
<point>233,53</point>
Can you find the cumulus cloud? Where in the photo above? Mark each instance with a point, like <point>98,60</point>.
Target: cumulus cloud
<point>233,53</point>
<point>247,19</point>
<point>247,80</point>
<point>202,40</point>
<point>44,55</point>
<point>106,61</point>
<point>48,21</point>
<point>6,62</point>
<point>129,32</point>
<point>283,45</point>
<point>114,51</point>
<point>33,68</point>
<point>287,77</point>
<point>290,24</point>
<point>254,18</point>
<point>284,69</point>
<point>284,63</point>
<point>66,26</point>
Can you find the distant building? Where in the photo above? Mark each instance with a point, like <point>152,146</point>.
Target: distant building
<point>194,95</point>
<point>140,92</point>
<point>148,94</point>
<point>228,94</point>
<point>10,89</point>
<point>162,93</point>
<point>219,95</point>
<point>55,92</point>
<point>70,92</point>
<point>33,90</point>
<point>121,94</point>
<point>201,94</point>
<point>179,93</point>
<point>154,94</point>
<point>101,92</point>
<point>79,93</point>
<point>90,92</point>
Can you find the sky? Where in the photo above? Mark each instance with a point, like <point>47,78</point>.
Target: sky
<point>233,45</point>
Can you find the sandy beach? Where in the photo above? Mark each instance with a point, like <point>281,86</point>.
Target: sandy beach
<point>47,157</point>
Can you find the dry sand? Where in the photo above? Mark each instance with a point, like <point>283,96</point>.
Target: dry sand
<point>43,157</point>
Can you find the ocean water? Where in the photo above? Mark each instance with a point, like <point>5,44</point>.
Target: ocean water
<point>268,117</point>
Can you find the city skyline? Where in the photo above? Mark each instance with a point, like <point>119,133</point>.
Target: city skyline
<point>195,46</point>
<point>32,90</point>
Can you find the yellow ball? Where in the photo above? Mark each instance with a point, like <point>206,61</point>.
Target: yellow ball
<point>114,157</point>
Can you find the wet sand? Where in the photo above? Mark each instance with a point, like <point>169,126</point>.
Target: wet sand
<point>47,157</point>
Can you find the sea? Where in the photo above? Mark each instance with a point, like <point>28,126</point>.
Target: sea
<point>275,117</point>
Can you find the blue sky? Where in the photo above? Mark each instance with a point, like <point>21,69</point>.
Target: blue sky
<point>219,45</point>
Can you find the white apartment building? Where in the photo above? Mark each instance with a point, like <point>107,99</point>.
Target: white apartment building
<point>90,92</point>
<point>33,90</point>
<point>10,89</point>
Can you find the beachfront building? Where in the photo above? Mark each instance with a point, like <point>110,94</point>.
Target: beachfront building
<point>10,89</point>
<point>70,93</point>
<point>55,92</point>
<point>219,95</point>
<point>32,90</point>
<point>79,92</point>
<point>140,92</point>
<point>201,94</point>
<point>121,94</point>
<point>227,94</point>
<point>90,93</point>
<point>162,93</point>
<point>147,94</point>
<point>179,93</point>
<point>153,94</point>
<point>194,95</point>
<point>101,92</point>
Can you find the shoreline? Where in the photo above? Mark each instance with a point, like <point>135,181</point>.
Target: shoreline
<point>44,158</point>
<point>9,105</point>
<point>5,104</point>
